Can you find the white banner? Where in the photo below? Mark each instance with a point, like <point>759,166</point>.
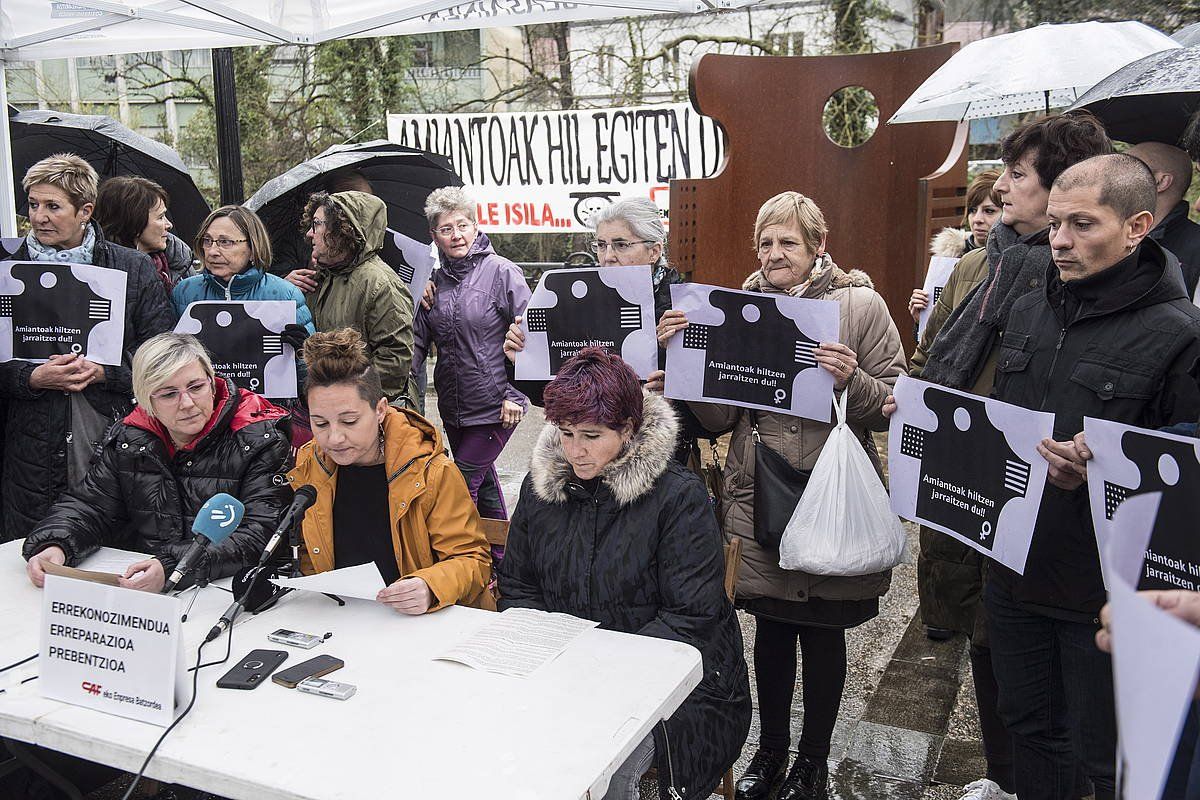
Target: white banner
<point>112,649</point>
<point>549,171</point>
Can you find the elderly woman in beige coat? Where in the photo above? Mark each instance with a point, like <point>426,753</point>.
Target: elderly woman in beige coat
<point>793,607</point>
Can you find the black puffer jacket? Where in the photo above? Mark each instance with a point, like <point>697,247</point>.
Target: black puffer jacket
<point>1122,345</point>
<point>142,495</point>
<point>38,424</point>
<point>642,555</point>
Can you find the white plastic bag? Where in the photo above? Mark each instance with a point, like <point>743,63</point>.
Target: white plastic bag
<point>843,524</point>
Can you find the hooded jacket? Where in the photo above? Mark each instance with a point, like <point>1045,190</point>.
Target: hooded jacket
<point>142,493</point>
<point>39,431</point>
<point>478,296</point>
<point>436,533</point>
<point>1121,345</point>
<point>866,327</point>
<point>367,295</point>
<point>252,284</point>
<point>643,555</point>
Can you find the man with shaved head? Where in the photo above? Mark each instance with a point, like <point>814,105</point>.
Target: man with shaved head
<point>1111,334</point>
<point>1172,168</point>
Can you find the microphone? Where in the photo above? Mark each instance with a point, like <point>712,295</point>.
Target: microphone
<point>217,519</point>
<point>305,497</point>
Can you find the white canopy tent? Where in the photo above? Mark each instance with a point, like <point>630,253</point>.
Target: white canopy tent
<point>46,29</point>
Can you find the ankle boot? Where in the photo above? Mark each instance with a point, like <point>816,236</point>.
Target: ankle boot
<point>808,779</point>
<point>762,776</point>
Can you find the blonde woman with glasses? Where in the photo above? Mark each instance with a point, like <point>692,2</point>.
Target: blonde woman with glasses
<point>192,435</point>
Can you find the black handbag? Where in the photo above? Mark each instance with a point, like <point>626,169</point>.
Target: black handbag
<point>777,489</point>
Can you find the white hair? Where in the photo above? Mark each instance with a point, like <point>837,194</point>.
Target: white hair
<point>643,218</point>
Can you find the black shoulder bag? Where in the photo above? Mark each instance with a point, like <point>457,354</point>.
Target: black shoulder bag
<point>777,489</point>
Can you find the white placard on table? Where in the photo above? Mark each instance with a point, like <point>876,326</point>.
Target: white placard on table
<point>243,338</point>
<point>1129,462</point>
<point>609,307</point>
<point>112,649</point>
<point>968,466</point>
<point>938,273</point>
<point>51,309</point>
<point>752,350</point>
<point>1156,657</point>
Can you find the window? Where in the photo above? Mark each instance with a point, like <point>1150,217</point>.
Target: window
<point>606,57</point>
<point>422,53</point>
<point>786,44</point>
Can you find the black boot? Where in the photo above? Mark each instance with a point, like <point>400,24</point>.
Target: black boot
<point>807,780</point>
<point>762,776</point>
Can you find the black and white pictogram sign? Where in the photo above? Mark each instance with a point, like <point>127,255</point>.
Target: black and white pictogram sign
<point>51,309</point>
<point>751,349</point>
<point>413,261</point>
<point>968,466</point>
<point>939,271</point>
<point>609,307</point>
<point>244,341</point>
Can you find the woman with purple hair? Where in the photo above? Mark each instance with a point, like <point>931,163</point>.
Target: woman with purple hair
<point>610,528</point>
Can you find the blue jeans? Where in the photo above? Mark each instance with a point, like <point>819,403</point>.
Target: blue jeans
<point>1056,699</point>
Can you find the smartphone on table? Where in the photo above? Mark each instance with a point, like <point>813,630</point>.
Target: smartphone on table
<point>252,670</point>
<point>313,668</point>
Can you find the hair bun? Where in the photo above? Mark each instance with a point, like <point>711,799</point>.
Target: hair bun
<point>336,355</point>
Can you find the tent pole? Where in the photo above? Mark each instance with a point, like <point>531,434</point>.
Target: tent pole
<point>229,140</point>
<point>8,194</point>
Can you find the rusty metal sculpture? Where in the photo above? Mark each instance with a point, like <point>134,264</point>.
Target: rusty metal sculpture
<point>882,199</point>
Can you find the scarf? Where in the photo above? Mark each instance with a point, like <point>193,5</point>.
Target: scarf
<point>823,265</point>
<point>163,268</point>
<point>1016,264</point>
<point>75,255</point>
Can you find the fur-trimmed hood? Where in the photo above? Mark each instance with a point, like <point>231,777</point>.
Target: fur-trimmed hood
<point>630,476</point>
<point>831,277</point>
<point>951,243</point>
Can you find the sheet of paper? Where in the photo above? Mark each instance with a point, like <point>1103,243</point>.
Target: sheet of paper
<point>111,559</point>
<point>752,350</point>
<point>518,641</point>
<point>609,307</point>
<point>939,271</point>
<point>413,261</point>
<point>1156,657</point>
<point>363,582</point>
<point>968,466</point>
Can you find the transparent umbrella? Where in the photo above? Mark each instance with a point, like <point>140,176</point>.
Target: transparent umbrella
<point>1040,68</point>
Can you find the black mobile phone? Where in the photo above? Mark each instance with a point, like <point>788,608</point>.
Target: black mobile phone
<point>253,669</point>
<point>313,668</point>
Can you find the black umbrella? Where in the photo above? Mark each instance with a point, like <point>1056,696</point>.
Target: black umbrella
<point>400,176</point>
<point>113,150</point>
<point>1150,100</point>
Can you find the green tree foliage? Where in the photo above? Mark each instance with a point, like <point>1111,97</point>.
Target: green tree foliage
<point>1166,15</point>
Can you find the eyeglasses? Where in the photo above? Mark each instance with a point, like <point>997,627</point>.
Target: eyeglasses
<point>448,230</point>
<point>317,223</point>
<point>222,243</point>
<point>618,246</point>
<point>193,390</point>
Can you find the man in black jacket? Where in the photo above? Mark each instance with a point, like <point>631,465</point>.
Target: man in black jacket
<point>1112,335</point>
<point>1172,170</point>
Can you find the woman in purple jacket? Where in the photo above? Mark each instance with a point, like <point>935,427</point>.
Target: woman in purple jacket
<point>477,294</point>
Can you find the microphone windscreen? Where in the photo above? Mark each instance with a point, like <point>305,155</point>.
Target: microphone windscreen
<point>218,517</point>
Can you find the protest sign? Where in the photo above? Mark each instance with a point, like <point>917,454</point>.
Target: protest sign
<point>752,350</point>
<point>550,171</point>
<point>51,309</point>
<point>112,649</point>
<point>968,466</point>
<point>244,342</point>
<point>609,307</point>
<point>1155,655</point>
<point>9,247</point>
<point>939,271</point>
<point>412,260</point>
<point>1130,462</point>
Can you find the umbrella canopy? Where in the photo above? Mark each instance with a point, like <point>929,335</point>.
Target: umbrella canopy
<point>1188,36</point>
<point>113,150</point>
<point>1150,100</point>
<point>400,176</point>
<point>1045,67</point>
